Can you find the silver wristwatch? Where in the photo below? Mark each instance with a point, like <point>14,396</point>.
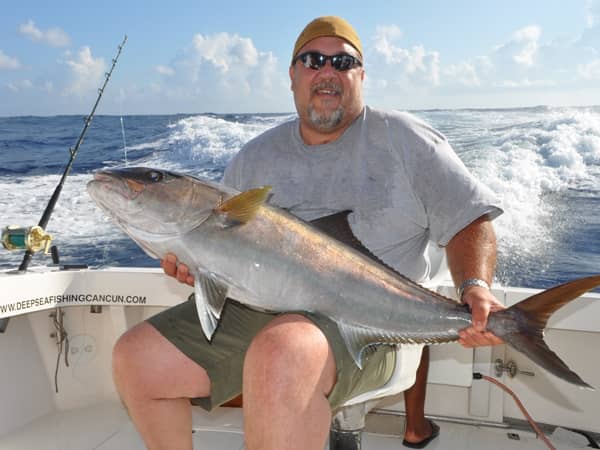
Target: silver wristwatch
<point>471,282</point>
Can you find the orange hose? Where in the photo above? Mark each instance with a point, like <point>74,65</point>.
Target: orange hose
<point>536,428</point>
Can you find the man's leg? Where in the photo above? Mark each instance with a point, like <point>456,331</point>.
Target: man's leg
<point>288,371</point>
<point>155,381</point>
<point>417,427</point>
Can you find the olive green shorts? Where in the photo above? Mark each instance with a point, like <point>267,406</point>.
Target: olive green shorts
<point>223,358</point>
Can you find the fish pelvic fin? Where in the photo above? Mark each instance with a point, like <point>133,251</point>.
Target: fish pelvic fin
<point>522,325</point>
<point>210,296</point>
<point>243,207</point>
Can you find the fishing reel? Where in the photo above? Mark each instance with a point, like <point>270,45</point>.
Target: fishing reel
<point>32,239</point>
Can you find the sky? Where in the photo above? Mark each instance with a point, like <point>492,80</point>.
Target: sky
<point>233,56</point>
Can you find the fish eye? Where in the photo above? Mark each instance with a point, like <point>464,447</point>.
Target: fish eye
<point>155,176</point>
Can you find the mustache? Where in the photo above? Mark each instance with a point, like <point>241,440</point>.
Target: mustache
<point>328,85</point>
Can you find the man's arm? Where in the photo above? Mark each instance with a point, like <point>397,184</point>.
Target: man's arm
<point>472,254</point>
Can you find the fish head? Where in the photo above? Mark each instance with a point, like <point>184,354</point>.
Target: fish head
<point>152,203</point>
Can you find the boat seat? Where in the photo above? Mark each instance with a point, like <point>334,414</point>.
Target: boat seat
<point>348,422</point>
<point>347,425</point>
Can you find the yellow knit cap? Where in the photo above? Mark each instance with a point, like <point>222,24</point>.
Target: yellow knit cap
<point>328,26</point>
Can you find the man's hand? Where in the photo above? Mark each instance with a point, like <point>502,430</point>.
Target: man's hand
<point>472,254</point>
<point>175,269</point>
<point>481,302</point>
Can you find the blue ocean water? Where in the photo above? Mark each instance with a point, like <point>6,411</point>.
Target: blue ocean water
<point>543,162</point>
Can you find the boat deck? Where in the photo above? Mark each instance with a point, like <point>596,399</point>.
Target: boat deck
<point>106,426</point>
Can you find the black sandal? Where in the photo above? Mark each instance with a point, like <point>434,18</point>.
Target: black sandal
<point>435,432</point>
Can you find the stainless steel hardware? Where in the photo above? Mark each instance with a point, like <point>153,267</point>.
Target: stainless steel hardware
<point>510,368</point>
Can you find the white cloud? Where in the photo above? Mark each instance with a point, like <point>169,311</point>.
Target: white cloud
<point>86,73</point>
<point>418,64</point>
<point>514,64</point>
<point>223,72</point>
<point>527,34</point>
<point>589,71</point>
<point>383,42</point>
<point>226,51</point>
<point>522,48</point>
<point>20,86</point>
<point>8,62</point>
<point>165,70</point>
<point>55,37</point>
<point>48,86</point>
<point>521,69</point>
<point>592,15</point>
<point>528,37</point>
<point>463,73</point>
<point>45,87</point>
<point>524,83</point>
<point>484,64</point>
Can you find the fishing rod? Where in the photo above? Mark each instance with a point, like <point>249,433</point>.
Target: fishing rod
<point>35,238</point>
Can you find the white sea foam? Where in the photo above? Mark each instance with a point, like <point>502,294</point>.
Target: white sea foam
<point>75,223</point>
<point>531,166</point>
<point>210,141</point>
<point>200,145</point>
<point>535,160</point>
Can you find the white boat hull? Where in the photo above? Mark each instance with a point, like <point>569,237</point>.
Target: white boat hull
<point>86,412</point>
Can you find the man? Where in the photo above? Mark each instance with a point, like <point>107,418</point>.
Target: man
<point>404,185</point>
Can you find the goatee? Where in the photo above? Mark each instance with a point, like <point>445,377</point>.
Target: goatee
<point>325,121</point>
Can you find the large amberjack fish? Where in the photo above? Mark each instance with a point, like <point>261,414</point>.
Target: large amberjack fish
<point>239,246</point>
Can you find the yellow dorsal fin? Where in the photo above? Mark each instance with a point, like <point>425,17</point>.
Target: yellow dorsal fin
<point>244,206</point>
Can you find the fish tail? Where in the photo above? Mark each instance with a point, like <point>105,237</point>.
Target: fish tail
<point>522,325</point>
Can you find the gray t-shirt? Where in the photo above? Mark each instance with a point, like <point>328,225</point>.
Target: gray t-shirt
<point>400,177</point>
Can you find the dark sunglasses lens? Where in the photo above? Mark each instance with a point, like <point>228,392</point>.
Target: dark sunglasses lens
<point>342,62</point>
<point>316,60</point>
<point>313,60</point>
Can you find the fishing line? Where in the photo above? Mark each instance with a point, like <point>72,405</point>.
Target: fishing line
<point>124,142</point>
<point>123,131</point>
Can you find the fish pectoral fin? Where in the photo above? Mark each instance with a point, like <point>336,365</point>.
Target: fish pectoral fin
<point>210,296</point>
<point>243,207</point>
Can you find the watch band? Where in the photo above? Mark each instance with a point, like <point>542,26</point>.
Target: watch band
<point>471,282</point>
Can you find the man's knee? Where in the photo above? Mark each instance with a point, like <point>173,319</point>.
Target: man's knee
<point>290,336</point>
<point>289,348</point>
<point>134,355</point>
<point>125,352</point>
<point>146,364</point>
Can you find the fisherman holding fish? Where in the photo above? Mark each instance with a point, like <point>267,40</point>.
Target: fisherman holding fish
<point>406,189</point>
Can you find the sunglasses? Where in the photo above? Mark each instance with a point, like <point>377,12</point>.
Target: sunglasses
<point>340,62</point>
